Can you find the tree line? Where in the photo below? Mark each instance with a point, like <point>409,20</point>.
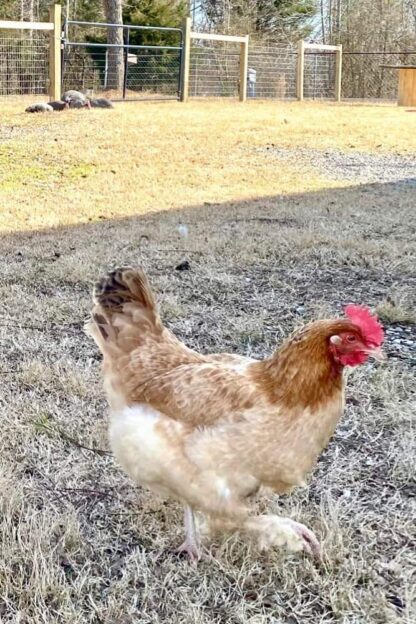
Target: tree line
<point>370,25</point>
<point>360,25</point>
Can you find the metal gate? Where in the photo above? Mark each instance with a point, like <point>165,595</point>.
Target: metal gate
<point>140,63</point>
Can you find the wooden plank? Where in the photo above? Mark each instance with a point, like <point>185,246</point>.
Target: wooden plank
<point>210,37</point>
<point>321,46</point>
<point>185,59</point>
<point>407,87</point>
<point>300,70</point>
<point>338,74</point>
<point>243,70</point>
<point>10,25</point>
<point>55,53</point>
<point>401,93</point>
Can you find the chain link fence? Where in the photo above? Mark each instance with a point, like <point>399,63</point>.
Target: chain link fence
<point>365,78</point>
<point>24,63</point>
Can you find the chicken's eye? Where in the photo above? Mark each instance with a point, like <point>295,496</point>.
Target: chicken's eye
<point>351,338</point>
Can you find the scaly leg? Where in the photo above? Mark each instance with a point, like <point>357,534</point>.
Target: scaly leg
<point>191,543</point>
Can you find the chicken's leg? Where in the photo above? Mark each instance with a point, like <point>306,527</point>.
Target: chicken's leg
<point>191,543</point>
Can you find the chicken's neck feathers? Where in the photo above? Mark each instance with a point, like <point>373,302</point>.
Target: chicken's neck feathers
<point>299,375</point>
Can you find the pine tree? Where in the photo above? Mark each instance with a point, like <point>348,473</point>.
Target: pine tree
<point>167,13</point>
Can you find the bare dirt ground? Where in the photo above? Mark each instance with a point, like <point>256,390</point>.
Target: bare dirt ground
<point>287,243</point>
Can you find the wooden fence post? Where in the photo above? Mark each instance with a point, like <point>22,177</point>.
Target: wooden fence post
<point>185,59</point>
<point>243,70</point>
<point>338,73</point>
<point>300,70</point>
<point>55,53</point>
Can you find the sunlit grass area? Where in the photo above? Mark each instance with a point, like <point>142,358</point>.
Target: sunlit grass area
<point>79,166</point>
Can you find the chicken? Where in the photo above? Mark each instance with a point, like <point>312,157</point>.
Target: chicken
<point>76,99</point>
<point>101,103</point>
<point>73,95</point>
<point>210,430</point>
<point>39,107</point>
<point>58,105</point>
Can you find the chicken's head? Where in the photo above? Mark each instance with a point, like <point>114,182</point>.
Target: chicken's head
<point>363,339</point>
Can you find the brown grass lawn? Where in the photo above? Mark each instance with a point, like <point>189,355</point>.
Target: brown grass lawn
<point>272,243</point>
<point>81,166</point>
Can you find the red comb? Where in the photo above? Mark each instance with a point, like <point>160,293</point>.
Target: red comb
<point>368,323</point>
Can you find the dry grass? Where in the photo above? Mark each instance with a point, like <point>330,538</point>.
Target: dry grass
<point>392,312</point>
<point>81,544</point>
<point>81,166</point>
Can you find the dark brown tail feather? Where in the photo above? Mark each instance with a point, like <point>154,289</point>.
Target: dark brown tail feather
<point>124,285</point>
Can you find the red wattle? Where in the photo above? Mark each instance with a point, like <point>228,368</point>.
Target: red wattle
<point>353,359</point>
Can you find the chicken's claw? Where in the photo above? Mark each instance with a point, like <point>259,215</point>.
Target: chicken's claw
<point>310,542</point>
<point>275,531</point>
<point>189,550</point>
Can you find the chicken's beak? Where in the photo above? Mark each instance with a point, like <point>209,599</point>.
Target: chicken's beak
<point>377,353</point>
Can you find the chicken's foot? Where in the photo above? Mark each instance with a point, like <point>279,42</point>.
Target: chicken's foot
<point>284,532</point>
<point>191,543</point>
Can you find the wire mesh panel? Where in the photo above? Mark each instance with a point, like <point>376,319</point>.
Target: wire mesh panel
<point>364,77</point>
<point>128,73</point>
<point>214,69</point>
<point>24,63</point>
<point>153,72</point>
<point>131,70</point>
<point>271,71</point>
<point>319,75</point>
<point>92,70</point>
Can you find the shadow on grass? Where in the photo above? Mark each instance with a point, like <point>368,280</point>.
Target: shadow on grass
<point>310,252</point>
<point>369,204</point>
<point>256,269</point>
